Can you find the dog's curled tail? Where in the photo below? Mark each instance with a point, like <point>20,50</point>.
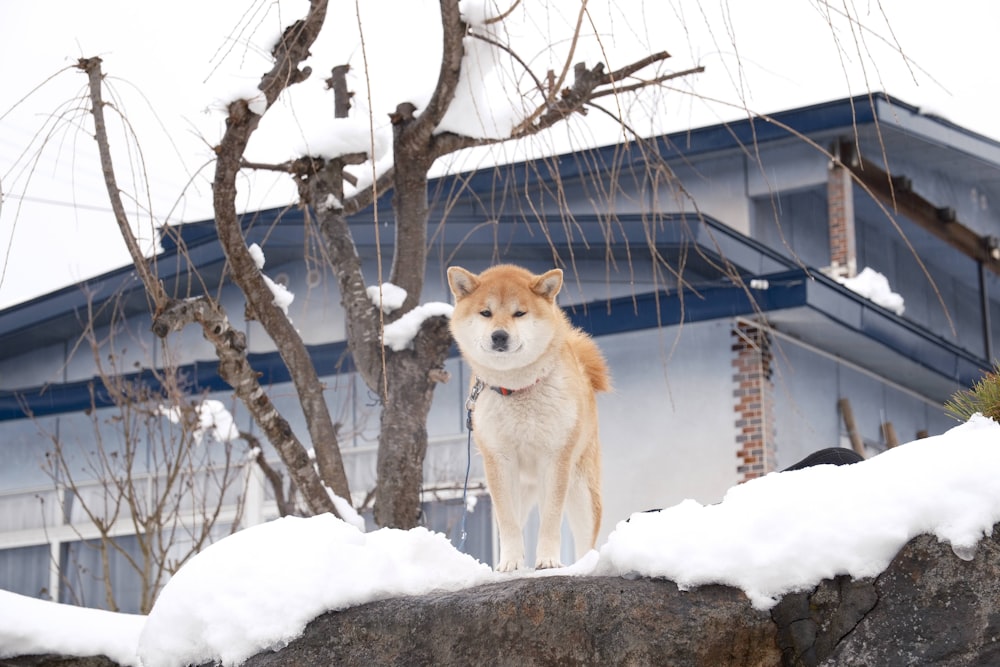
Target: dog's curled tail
<point>593,362</point>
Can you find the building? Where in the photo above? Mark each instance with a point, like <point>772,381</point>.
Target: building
<point>713,293</point>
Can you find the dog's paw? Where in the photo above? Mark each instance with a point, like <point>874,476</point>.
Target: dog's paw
<point>508,566</point>
<point>547,563</point>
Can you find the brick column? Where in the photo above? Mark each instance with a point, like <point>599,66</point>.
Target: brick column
<point>840,213</point>
<point>753,391</point>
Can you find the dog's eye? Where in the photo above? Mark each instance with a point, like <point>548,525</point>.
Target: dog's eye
<point>519,313</point>
<point>486,313</point>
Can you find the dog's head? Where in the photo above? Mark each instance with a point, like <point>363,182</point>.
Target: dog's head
<point>505,317</point>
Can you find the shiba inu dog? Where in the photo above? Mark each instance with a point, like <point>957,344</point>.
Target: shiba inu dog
<point>534,409</point>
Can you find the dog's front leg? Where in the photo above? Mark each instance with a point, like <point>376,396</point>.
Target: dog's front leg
<point>505,489</point>
<point>552,500</point>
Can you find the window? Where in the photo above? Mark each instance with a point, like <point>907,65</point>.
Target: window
<point>82,580</point>
<point>25,570</point>
<point>795,224</point>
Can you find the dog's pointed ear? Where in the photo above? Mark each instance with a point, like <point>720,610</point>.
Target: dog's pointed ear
<point>462,282</point>
<point>548,284</point>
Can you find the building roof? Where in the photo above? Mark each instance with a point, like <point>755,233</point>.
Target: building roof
<point>815,306</point>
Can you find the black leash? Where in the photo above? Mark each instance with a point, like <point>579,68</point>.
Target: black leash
<point>470,405</point>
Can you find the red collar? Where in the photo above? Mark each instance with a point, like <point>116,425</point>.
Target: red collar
<point>477,388</point>
<point>504,391</point>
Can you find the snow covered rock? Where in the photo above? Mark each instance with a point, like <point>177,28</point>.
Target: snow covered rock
<point>929,607</point>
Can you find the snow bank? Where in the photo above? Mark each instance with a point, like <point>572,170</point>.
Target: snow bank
<point>30,627</point>
<point>257,589</point>
<point>787,531</point>
<point>784,532</point>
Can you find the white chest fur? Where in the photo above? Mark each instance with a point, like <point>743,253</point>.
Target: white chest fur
<point>537,419</point>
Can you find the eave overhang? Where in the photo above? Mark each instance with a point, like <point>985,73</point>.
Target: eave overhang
<point>806,306</point>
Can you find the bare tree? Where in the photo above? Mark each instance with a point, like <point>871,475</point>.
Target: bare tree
<point>172,314</point>
<point>162,465</point>
<point>404,380</point>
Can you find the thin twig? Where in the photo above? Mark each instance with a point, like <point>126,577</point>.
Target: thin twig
<point>92,66</point>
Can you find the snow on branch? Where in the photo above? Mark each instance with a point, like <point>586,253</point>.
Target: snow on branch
<point>387,296</point>
<point>282,297</point>
<point>213,419</point>
<point>399,334</point>
<point>347,136</point>
<point>346,511</point>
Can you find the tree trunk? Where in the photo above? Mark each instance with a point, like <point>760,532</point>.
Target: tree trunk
<point>411,150</point>
<point>408,388</point>
<point>403,436</point>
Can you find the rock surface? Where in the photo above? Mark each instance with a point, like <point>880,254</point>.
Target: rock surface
<point>57,661</point>
<point>932,608</point>
<point>929,607</point>
<point>547,621</point>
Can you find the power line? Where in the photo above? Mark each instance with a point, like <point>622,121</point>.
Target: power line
<point>55,202</point>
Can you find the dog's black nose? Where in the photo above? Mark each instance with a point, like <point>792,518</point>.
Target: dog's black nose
<point>500,338</point>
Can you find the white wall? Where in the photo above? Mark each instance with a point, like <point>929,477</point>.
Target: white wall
<point>131,344</point>
<point>787,167</point>
<point>717,187</point>
<point>807,387</point>
<point>668,429</point>
<point>32,368</point>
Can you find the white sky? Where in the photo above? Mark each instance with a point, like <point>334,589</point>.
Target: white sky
<point>180,59</point>
<point>762,538</point>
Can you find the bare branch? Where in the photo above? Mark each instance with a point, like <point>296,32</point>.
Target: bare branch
<point>286,507</point>
<point>92,66</point>
<point>630,69</point>
<point>557,85</point>
<point>289,52</point>
<point>234,368</point>
<point>366,197</point>
<point>589,84</point>
<point>513,54</point>
<point>230,345</point>
<point>501,17</point>
<point>363,324</point>
<point>413,141</point>
<point>453,51</point>
<point>341,95</point>
<point>646,83</point>
<point>293,48</point>
<point>155,483</point>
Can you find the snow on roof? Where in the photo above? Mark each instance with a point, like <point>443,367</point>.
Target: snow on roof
<point>874,286</point>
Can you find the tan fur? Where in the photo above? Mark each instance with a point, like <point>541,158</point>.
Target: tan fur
<point>539,444</point>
